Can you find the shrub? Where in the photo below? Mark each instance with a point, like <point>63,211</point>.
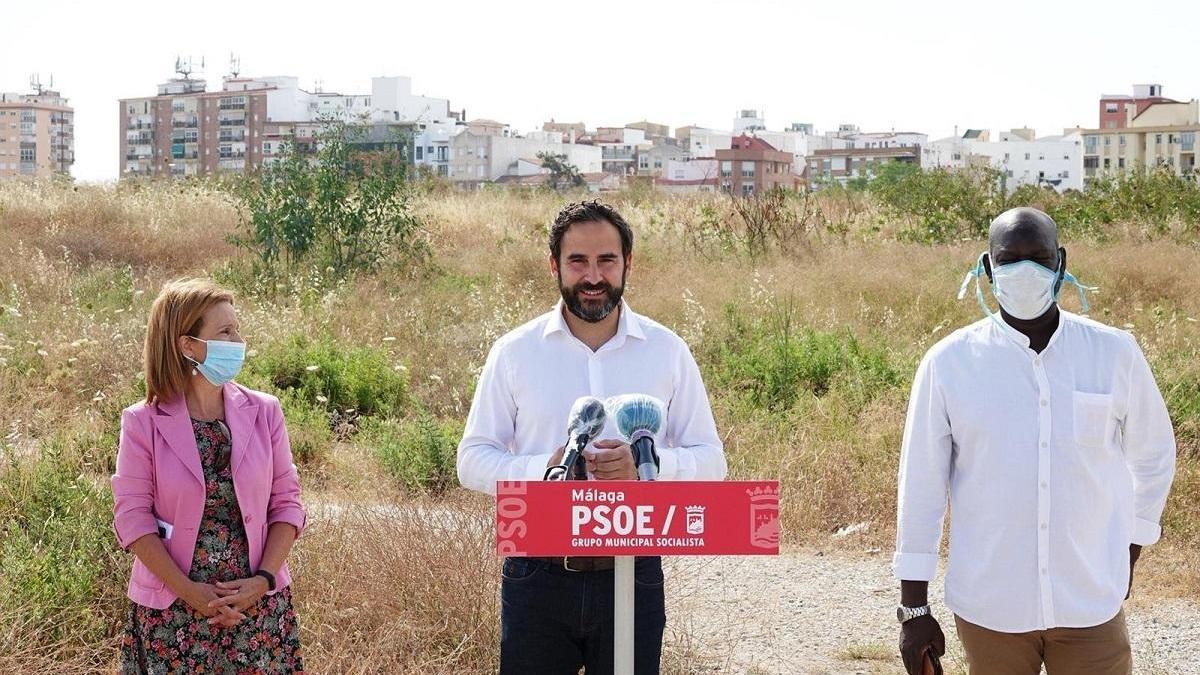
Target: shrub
<point>61,575</point>
<point>420,453</point>
<point>357,380</point>
<point>945,205</point>
<point>773,361</point>
<point>308,430</point>
<point>337,207</point>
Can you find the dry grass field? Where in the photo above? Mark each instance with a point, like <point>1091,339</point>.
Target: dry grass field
<point>807,350</point>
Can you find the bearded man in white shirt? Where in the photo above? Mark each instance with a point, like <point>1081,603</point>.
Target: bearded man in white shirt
<point>557,613</point>
<point>1049,436</point>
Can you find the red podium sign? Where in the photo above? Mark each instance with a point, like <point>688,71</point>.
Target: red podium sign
<point>620,518</point>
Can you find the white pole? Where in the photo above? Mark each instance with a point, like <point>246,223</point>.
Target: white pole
<point>623,615</point>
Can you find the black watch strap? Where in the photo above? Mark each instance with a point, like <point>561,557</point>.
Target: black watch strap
<point>269,577</point>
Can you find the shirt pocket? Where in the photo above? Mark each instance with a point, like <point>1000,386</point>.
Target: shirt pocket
<point>1092,419</point>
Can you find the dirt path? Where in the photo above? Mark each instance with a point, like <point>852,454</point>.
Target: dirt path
<point>807,612</point>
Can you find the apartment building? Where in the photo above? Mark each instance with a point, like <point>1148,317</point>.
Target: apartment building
<point>844,164</point>
<point>701,143</point>
<point>37,134</point>
<point>1116,109</point>
<point>653,159</point>
<point>1022,157</point>
<point>186,130</point>
<point>752,165</point>
<point>1161,135</point>
<point>477,156</point>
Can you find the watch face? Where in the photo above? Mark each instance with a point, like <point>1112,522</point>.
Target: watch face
<point>900,614</point>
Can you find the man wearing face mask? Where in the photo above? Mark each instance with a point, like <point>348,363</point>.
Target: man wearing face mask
<point>1048,435</point>
<point>557,613</point>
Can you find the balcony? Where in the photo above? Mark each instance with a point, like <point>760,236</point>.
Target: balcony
<point>185,124</point>
<point>232,138</point>
<point>232,106</point>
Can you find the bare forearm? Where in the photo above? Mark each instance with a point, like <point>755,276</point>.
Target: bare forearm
<point>280,537</point>
<point>914,593</point>
<point>150,550</point>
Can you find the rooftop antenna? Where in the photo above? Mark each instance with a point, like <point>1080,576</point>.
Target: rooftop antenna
<point>235,65</point>
<point>187,66</point>
<point>319,86</point>
<point>35,84</point>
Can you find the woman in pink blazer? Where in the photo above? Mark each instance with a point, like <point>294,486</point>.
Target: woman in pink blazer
<point>207,499</point>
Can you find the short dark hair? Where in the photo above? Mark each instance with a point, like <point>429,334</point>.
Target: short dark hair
<point>586,212</point>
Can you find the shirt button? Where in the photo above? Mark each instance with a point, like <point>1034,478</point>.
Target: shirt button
<point>249,518</point>
<point>1037,361</point>
<point>1045,444</point>
<point>1044,485</point>
<point>1045,402</point>
<point>1043,526</point>
<point>1043,570</point>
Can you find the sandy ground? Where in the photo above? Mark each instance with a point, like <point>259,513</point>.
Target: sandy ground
<point>811,612</point>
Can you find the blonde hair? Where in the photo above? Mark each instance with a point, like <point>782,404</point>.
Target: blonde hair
<point>178,310</point>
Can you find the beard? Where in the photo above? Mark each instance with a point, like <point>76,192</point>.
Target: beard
<point>592,310</point>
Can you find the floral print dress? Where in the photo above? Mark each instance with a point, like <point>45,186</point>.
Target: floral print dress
<point>179,639</point>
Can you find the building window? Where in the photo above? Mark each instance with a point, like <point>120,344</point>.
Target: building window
<point>1158,139</point>
<point>1110,107</point>
<point>27,154</point>
<point>1027,156</point>
<point>419,149</point>
<point>726,169</point>
<point>747,189</point>
<point>1091,162</point>
<point>1107,161</point>
<point>1120,162</point>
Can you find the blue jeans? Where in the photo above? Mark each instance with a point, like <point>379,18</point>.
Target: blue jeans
<point>553,621</point>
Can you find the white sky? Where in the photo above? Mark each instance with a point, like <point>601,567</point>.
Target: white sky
<point>922,65</point>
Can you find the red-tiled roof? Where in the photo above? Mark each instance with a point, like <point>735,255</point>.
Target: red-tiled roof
<point>745,142</point>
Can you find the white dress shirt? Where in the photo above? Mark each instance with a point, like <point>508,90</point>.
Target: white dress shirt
<point>536,372</point>
<point>1054,464</point>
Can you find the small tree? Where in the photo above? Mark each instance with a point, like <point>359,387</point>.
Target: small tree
<point>337,207</point>
<point>563,175</point>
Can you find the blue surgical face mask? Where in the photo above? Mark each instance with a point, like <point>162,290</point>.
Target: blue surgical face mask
<point>1024,289</point>
<point>223,361</point>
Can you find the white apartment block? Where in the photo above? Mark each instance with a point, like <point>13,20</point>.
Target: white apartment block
<point>703,143</point>
<point>479,158</point>
<point>1022,157</point>
<point>1162,135</point>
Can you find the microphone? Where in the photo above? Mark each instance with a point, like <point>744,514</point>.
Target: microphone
<point>638,418</point>
<point>584,423</point>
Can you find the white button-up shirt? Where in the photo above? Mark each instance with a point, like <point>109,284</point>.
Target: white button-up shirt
<point>1054,464</point>
<point>536,372</point>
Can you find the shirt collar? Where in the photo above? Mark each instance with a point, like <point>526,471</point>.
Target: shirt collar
<point>1021,339</point>
<point>628,324</point>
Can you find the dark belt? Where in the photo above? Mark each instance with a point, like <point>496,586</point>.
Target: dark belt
<point>578,563</point>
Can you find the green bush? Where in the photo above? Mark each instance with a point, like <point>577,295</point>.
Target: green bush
<point>337,206</point>
<point>945,205</point>
<point>60,570</point>
<point>773,362</point>
<point>420,453</point>
<point>308,430</point>
<point>327,375</point>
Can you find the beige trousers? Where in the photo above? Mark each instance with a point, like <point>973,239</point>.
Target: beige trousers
<point>1099,650</point>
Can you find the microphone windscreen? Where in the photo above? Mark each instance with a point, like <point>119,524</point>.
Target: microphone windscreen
<point>636,412</point>
<point>587,417</point>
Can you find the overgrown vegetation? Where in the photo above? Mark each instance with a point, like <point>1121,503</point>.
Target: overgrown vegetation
<point>807,314</point>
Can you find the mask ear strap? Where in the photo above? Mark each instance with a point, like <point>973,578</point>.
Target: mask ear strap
<point>1069,278</point>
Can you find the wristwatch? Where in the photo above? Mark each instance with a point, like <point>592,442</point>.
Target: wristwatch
<point>906,614</point>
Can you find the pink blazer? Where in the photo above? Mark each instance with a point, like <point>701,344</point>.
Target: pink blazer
<point>159,478</point>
